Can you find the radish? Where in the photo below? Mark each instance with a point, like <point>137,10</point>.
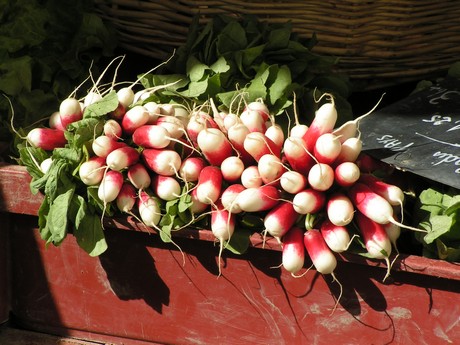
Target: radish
<point>135,117</point>
<point>351,148</point>
<point>118,113</point>
<point>296,154</point>
<point>322,257</point>
<point>327,148</point>
<point>173,125</point>
<point>209,185</point>
<point>254,120</point>
<point>222,227</point>
<point>125,96</point>
<point>232,167</point>
<point>236,135</point>
<point>112,129</point>
<point>70,111</point>
<point>126,199</point>
<point>55,121</point>
<point>162,161</point>
<point>260,107</point>
<point>139,176</point>
<point>197,206</point>
<point>374,206</point>
<point>231,120</point>
<point>122,158</point>
<point>275,133</point>
<point>151,136</point>
<point>229,195</point>
<point>198,121</point>
<point>110,186</point>
<point>214,145</point>
<point>293,182</point>
<point>321,176</point>
<point>270,168</point>
<point>149,210</point>
<point>346,174</point>
<point>336,237</point>
<point>91,98</point>
<point>293,250</point>
<point>309,201</point>
<point>91,171</point>
<point>280,219</point>
<point>46,138</point>
<point>154,112</point>
<point>340,209</point>
<point>258,144</point>
<point>323,122</point>
<point>250,177</point>
<point>103,145</point>
<point>393,232</point>
<point>392,193</point>
<point>375,239</point>
<point>45,165</point>
<point>258,199</point>
<point>298,130</point>
<point>190,168</point>
<point>166,187</point>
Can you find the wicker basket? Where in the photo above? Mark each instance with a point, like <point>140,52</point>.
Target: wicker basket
<point>380,43</point>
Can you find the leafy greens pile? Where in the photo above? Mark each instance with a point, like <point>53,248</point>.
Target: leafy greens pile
<point>229,56</point>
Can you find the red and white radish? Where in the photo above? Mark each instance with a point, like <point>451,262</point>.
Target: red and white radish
<point>209,187</point>
<point>229,195</point>
<point>55,121</point>
<point>222,227</point>
<point>254,120</point>
<point>346,174</point>
<point>166,187</point>
<point>135,117</point>
<point>336,236</point>
<point>293,182</point>
<point>232,167</point>
<point>250,177</point>
<point>258,199</point>
<point>110,186</point>
<point>309,201</point>
<point>46,138</point>
<point>214,145</point>
<point>122,158</point>
<point>149,210</point>
<point>190,168</point>
<point>162,161</point>
<point>350,150</point>
<point>340,210</point>
<point>321,255</point>
<point>112,129</point>
<point>126,199</point>
<point>296,154</point>
<point>276,134</point>
<point>280,219</point>
<point>45,165</point>
<point>375,238</point>
<point>70,111</point>
<point>91,171</point>
<point>327,148</point>
<point>270,168</point>
<point>103,145</point>
<point>139,176</point>
<point>293,250</point>
<point>151,136</point>
<point>392,193</point>
<point>258,144</point>
<point>173,125</point>
<point>321,176</point>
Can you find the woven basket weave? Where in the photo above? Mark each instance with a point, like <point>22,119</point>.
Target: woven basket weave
<point>379,42</point>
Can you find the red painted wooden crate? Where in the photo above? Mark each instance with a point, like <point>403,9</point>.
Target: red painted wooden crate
<point>140,290</point>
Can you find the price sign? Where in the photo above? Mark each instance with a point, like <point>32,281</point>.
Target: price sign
<point>420,133</point>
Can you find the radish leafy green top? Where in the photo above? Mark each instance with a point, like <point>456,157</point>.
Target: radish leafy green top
<point>228,56</point>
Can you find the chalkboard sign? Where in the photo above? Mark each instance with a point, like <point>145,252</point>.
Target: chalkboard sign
<point>420,133</point>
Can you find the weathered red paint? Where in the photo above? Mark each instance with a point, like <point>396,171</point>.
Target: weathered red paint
<point>140,291</point>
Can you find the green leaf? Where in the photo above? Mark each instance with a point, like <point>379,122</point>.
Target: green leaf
<point>57,220</point>
<point>239,242</point>
<point>278,89</point>
<point>16,75</point>
<point>231,38</point>
<point>102,107</point>
<point>88,230</point>
<point>195,69</point>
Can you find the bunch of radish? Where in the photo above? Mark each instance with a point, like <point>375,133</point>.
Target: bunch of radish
<point>307,182</point>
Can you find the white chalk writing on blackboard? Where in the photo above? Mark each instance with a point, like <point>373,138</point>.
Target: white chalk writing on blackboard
<point>391,143</point>
<point>444,157</point>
